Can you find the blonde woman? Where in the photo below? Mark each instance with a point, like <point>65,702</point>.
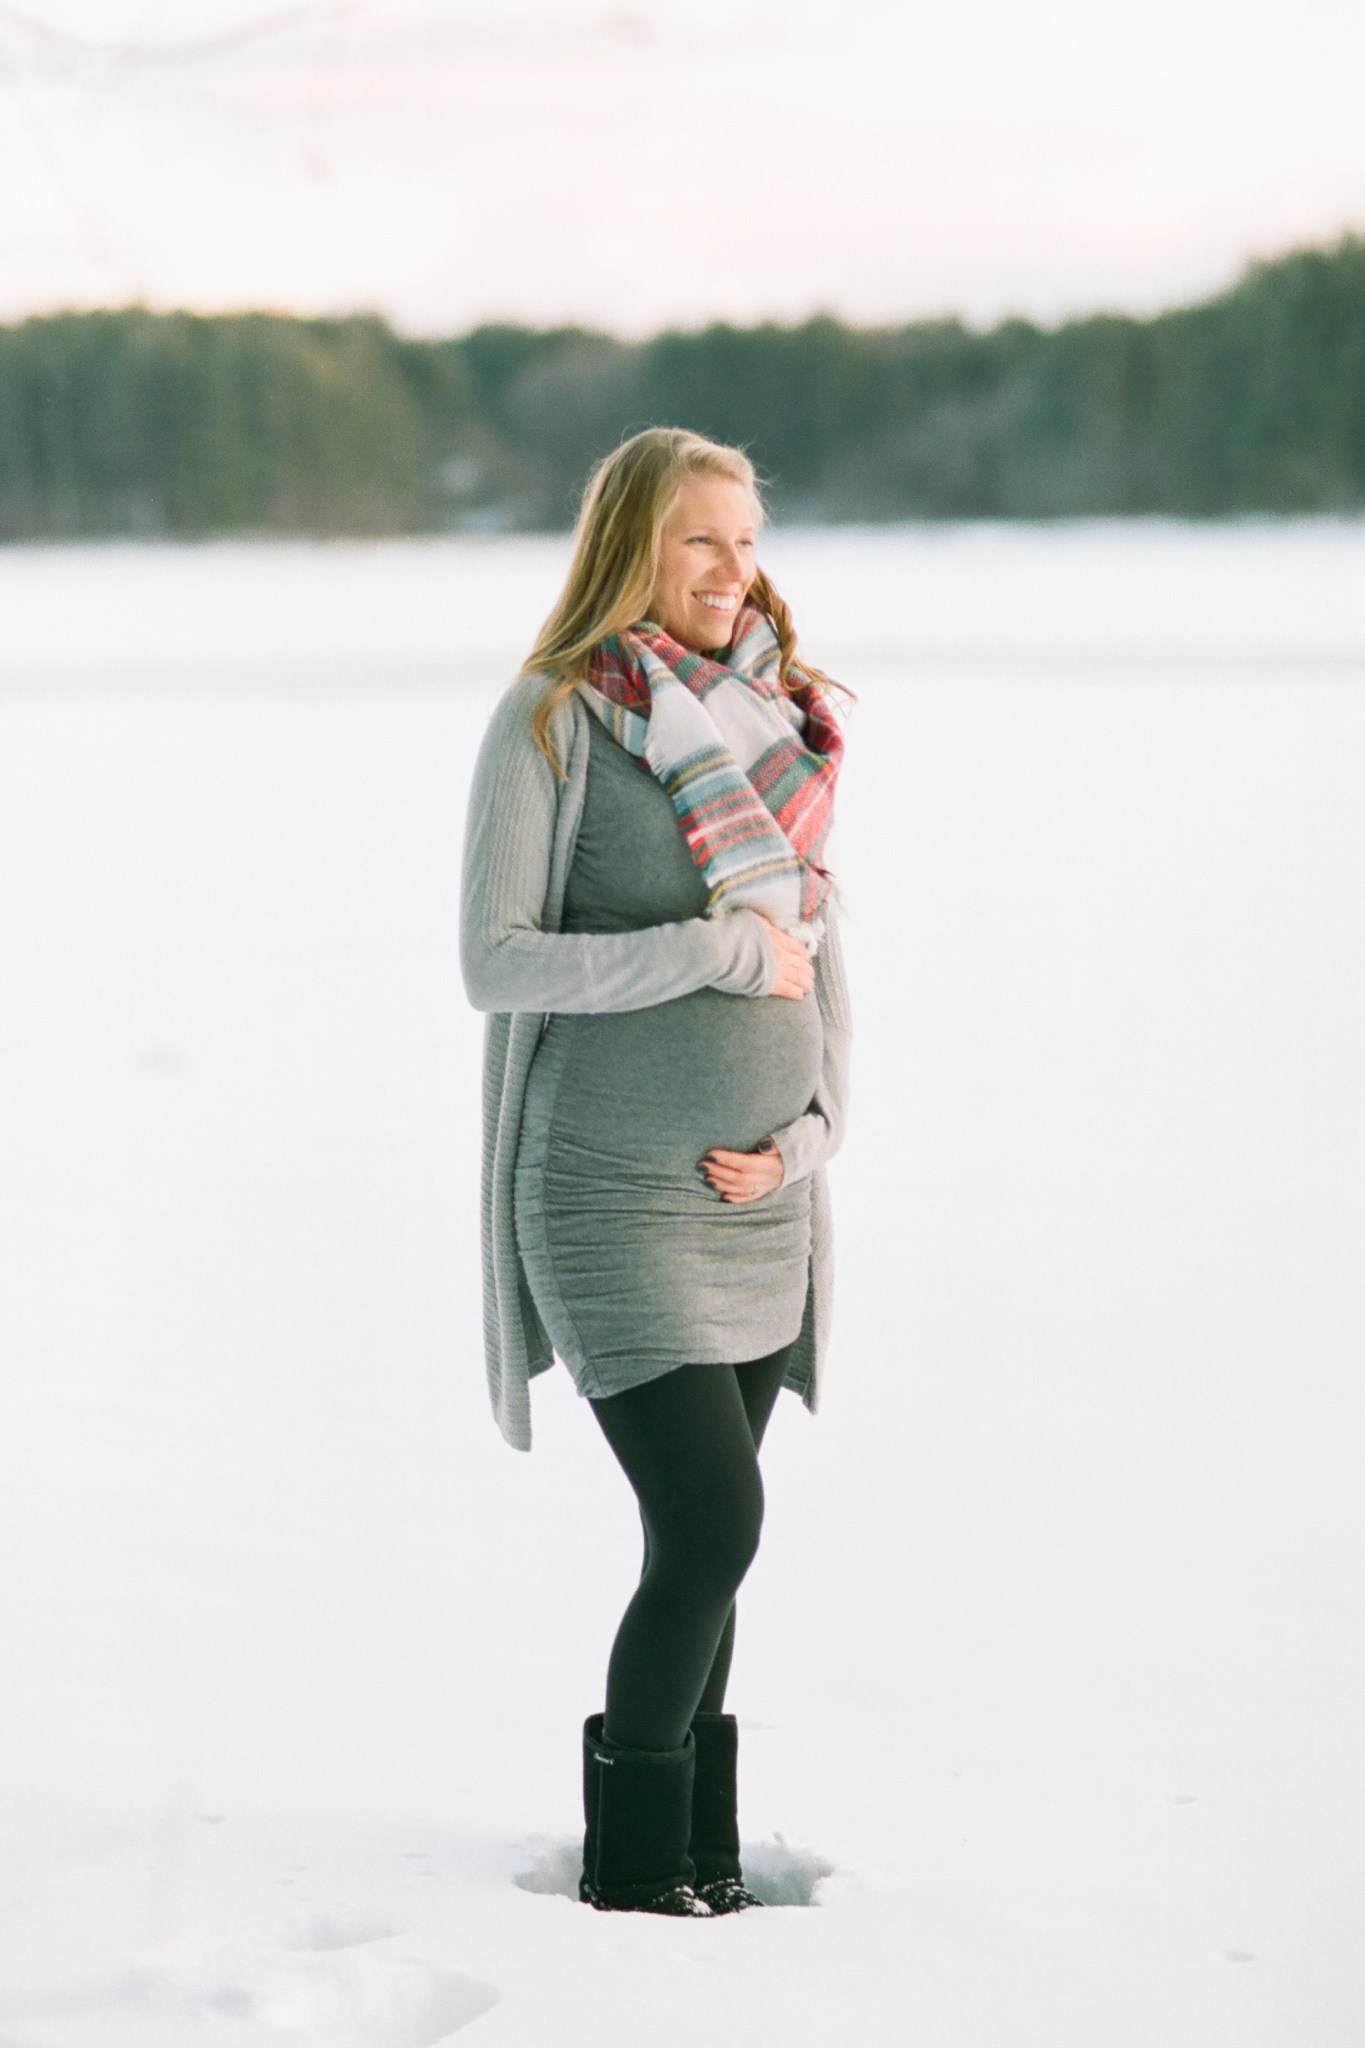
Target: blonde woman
<point>649,924</point>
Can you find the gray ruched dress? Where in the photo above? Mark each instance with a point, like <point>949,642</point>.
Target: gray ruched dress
<point>635,1264</point>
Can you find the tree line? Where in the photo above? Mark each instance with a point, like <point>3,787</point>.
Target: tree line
<point>129,422</point>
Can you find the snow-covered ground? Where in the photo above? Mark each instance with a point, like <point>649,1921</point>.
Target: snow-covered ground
<point>1051,1670</point>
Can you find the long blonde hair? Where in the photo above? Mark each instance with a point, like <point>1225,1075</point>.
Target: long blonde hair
<point>618,544</point>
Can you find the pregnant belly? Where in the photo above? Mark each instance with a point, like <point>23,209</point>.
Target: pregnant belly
<point>663,1084</point>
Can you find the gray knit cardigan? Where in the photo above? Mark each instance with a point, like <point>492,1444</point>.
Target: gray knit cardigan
<point>521,968</point>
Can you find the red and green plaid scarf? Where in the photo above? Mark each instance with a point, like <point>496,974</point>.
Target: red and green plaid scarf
<point>748,764</point>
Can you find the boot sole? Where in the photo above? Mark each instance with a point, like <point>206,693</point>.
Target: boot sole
<point>678,1902</point>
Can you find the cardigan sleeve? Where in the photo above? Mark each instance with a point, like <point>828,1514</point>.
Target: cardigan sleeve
<point>510,963</point>
<point>816,1136</point>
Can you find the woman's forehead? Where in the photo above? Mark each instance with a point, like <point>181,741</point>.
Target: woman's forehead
<point>715,497</point>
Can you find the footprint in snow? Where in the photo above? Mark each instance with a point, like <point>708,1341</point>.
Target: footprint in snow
<point>308,1976</point>
<point>333,1930</point>
<point>361,2002</point>
<point>347,2001</point>
<point>784,1873</point>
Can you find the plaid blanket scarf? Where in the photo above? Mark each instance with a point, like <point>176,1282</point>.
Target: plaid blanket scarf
<point>749,766</point>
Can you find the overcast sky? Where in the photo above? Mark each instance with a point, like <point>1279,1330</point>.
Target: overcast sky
<point>668,161</point>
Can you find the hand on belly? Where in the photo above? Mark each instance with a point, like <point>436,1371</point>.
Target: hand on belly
<point>743,1176</point>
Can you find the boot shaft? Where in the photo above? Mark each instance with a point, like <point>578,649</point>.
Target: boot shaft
<point>714,1840</point>
<point>637,1806</point>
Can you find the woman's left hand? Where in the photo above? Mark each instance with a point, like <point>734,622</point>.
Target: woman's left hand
<point>743,1176</point>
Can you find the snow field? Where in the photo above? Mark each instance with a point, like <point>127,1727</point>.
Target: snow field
<point>1050,1667</point>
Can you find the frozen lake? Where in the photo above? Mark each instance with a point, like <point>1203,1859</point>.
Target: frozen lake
<point>1052,1666</point>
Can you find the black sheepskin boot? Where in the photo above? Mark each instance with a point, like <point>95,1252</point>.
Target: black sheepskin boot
<point>714,1841</point>
<point>637,1806</point>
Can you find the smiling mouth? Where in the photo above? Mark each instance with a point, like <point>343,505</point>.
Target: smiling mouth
<point>714,603</point>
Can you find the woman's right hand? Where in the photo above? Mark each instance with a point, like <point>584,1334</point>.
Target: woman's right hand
<point>793,968</point>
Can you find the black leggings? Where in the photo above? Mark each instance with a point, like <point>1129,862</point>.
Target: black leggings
<point>688,1443</point>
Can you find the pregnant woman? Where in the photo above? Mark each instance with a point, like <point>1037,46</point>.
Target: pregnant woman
<point>648,923</point>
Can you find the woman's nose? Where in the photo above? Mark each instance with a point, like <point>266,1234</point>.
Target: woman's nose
<point>734,563</point>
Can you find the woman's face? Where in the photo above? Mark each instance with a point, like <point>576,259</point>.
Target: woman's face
<point>707,563</point>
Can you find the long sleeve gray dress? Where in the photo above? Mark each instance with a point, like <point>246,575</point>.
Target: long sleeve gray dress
<point>635,1263</point>
<point>627,1032</point>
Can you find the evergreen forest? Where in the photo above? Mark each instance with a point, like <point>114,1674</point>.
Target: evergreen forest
<point>132,422</point>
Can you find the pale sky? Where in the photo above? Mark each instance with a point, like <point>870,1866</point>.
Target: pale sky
<point>662,162</point>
